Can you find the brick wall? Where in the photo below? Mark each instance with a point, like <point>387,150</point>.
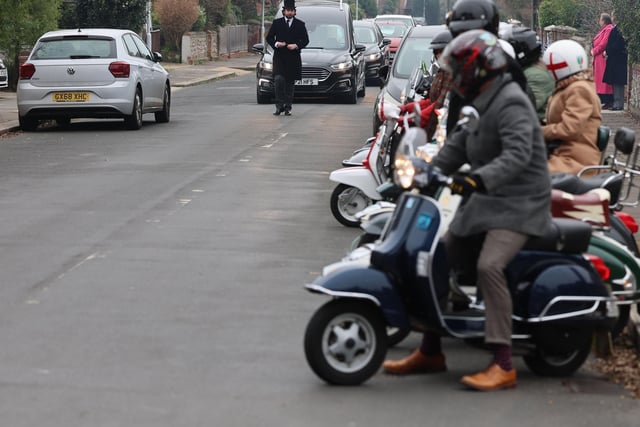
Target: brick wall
<point>198,47</point>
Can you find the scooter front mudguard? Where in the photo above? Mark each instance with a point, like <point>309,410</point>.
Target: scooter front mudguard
<point>358,177</point>
<point>366,283</point>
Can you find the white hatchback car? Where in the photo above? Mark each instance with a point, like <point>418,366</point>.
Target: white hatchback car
<point>92,73</point>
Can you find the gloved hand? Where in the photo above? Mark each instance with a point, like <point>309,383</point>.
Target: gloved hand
<point>466,184</point>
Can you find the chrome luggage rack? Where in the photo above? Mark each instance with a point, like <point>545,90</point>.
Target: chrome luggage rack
<point>623,159</point>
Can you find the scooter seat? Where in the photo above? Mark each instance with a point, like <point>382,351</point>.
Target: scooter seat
<point>564,235</point>
<point>570,183</point>
<point>591,207</point>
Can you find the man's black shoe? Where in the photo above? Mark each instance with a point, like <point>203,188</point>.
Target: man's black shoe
<point>287,112</point>
<point>278,111</point>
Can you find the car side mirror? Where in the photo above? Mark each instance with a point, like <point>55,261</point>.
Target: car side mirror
<point>157,56</point>
<point>360,47</point>
<point>386,42</point>
<point>258,47</point>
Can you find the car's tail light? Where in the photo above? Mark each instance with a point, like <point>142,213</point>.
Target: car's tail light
<point>628,221</point>
<point>599,266</point>
<point>27,71</point>
<point>120,69</point>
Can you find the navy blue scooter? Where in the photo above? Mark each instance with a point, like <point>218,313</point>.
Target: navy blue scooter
<point>558,298</point>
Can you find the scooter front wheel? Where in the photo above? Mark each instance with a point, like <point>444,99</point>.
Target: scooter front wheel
<point>346,202</point>
<point>345,341</point>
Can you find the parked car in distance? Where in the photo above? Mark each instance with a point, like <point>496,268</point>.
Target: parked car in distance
<point>407,19</point>
<point>377,54</point>
<point>92,73</point>
<point>333,64</point>
<point>394,31</point>
<point>4,76</point>
<point>412,53</point>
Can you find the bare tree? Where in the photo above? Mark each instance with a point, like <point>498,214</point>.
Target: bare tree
<point>176,18</point>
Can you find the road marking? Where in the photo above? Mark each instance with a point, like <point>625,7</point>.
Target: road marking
<point>275,141</point>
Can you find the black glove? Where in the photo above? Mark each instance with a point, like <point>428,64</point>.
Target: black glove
<point>466,184</point>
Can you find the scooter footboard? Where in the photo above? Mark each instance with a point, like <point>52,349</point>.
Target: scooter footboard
<point>365,283</point>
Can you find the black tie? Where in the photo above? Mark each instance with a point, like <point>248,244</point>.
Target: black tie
<point>289,22</point>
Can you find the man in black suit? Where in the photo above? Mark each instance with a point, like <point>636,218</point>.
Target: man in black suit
<point>287,36</point>
<point>616,71</point>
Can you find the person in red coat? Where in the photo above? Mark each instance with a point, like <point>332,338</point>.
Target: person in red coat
<point>604,90</point>
<point>287,36</point>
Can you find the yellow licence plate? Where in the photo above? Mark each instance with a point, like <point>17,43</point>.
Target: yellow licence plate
<point>70,96</point>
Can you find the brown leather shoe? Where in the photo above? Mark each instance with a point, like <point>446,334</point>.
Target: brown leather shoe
<point>416,363</point>
<point>492,378</point>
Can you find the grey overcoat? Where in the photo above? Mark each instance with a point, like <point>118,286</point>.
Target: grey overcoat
<point>508,152</point>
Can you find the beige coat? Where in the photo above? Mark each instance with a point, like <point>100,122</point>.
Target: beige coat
<point>573,116</point>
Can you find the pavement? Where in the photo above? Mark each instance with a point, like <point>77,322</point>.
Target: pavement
<point>184,75</point>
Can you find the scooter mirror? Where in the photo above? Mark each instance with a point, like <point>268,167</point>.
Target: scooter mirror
<point>469,119</point>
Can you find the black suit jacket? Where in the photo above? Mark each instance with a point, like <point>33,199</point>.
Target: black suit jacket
<point>287,62</point>
<point>615,72</point>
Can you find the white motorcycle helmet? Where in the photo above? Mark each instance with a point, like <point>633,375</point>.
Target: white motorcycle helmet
<point>565,58</point>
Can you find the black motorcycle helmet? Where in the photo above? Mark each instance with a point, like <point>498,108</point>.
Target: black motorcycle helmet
<point>473,58</point>
<point>526,45</point>
<point>468,15</point>
<point>440,41</point>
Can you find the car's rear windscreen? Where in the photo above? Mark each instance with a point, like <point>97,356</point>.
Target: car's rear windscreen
<point>75,48</point>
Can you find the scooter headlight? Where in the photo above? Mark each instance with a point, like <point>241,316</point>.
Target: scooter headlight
<point>403,172</point>
<point>407,167</point>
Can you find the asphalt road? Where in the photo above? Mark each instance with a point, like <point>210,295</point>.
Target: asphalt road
<point>154,278</point>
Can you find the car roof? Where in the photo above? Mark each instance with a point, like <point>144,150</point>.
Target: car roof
<point>425,30</point>
<point>112,32</point>
<point>392,16</point>
<point>391,21</point>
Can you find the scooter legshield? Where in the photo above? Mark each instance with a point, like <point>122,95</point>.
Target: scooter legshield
<point>364,283</point>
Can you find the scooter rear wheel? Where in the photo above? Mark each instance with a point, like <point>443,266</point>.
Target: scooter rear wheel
<point>550,362</point>
<point>346,202</point>
<point>346,341</point>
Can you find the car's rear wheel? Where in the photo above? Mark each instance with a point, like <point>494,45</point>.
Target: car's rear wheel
<point>27,125</point>
<point>134,120</point>
<point>165,115</point>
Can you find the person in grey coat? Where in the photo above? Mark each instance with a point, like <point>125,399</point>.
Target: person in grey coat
<point>615,73</point>
<point>507,196</point>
